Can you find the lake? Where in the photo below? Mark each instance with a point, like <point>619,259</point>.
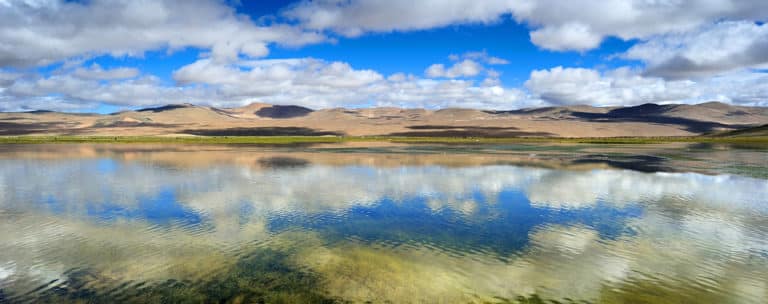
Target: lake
<point>380,222</point>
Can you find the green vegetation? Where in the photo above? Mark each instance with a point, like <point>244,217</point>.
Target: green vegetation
<point>588,140</point>
<point>339,139</point>
<point>167,139</point>
<point>761,131</point>
<point>264,276</point>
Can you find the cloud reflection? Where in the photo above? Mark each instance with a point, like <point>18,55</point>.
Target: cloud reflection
<point>55,212</point>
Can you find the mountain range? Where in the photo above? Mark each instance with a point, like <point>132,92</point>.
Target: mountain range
<point>259,119</point>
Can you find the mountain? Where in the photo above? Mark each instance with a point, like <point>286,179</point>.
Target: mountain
<point>267,119</point>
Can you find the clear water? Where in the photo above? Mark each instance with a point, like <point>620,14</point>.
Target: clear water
<point>437,224</point>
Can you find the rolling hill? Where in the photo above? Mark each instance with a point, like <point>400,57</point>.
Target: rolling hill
<point>265,119</point>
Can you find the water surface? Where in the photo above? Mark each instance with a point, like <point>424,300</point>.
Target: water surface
<point>676,223</point>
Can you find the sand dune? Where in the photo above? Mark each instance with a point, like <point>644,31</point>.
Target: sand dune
<point>266,119</point>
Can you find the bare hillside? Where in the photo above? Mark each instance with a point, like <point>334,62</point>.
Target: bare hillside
<point>265,120</point>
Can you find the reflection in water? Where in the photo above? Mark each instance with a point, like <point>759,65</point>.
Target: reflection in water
<point>244,224</point>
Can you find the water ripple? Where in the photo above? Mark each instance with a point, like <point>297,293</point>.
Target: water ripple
<point>222,226</point>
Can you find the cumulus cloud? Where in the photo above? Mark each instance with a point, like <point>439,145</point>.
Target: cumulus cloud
<point>43,32</point>
<point>309,82</point>
<point>430,93</point>
<point>624,86</point>
<point>706,51</point>
<point>321,84</point>
<point>481,56</point>
<point>465,68</point>
<point>557,25</point>
<point>575,36</point>
<point>354,18</point>
<point>317,83</point>
<point>583,24</point>
<point>694,50</point>
<point>7,78</point>
<point>300,72</point>
<point>741,87</point>
<point>679,41</point>
<point>469,64</point>
<point>565,86</point>
<point>72,92</point>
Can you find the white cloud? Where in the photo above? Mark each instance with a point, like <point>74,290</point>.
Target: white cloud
<point>576,36</point>
<point>465,68</point>
<point>435,70</point>
<point>711,43</point>
<point>742,87</point>
<point>583,24</point>
<point>481,56</point>
<point>43,32</point>
<point>430,93</point>
<point>467,65</point>
<point>303,81</point>
<point>320,84</point>
<point>67,91</point>
<point>623,86</point>
<point>619,87</point>
<point>497,60</point>
<point>557,25</point>
<point>353,18</point>
<point>7,78</point>
<point>398,77</point>
<point>709,50</point>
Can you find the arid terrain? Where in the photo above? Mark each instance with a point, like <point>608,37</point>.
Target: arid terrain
<point>266,120</point>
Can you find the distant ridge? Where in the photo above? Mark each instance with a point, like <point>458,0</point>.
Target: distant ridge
<point>260,119</point>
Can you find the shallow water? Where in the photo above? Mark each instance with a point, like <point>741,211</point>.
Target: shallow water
<point>674,223</point>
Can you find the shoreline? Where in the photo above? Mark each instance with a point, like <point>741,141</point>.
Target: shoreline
<point>342,139</point>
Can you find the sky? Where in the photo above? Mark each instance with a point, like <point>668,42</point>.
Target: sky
<point>108,55</point>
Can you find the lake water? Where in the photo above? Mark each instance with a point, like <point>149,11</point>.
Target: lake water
<point>674,223</point>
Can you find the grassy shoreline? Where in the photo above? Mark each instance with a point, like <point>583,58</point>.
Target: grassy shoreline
<point>341,139</point>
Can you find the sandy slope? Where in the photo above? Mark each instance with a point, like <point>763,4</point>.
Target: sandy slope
<point>265,119</point>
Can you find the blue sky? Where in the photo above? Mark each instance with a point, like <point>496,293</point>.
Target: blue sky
<point>409,52</point>
<point>106,55</point>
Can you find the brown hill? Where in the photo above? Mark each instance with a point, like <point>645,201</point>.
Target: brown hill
<point>266,119</point>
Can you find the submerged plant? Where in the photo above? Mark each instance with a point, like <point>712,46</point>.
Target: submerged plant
<point>263,276</point>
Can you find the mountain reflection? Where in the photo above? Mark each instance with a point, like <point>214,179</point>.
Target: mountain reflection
<point>471,228</point>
